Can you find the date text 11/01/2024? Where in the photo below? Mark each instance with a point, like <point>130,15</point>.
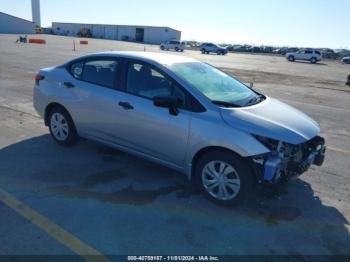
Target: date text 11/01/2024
<point>173,258</point>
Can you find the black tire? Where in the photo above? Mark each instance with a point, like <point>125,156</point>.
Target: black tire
<point>313,60</point>
<point>203,51</point>
<point>162,48</point>
<point>291,58</point>
<point>69,137</point>
<point>242,171</point>
<point>176,49</point>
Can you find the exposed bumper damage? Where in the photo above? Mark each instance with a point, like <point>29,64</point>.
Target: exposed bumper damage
<point>287,161</point>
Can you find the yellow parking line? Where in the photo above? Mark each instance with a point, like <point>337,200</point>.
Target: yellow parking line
<point>55,231</point>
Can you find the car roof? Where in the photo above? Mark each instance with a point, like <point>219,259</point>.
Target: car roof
<point>160,58</point>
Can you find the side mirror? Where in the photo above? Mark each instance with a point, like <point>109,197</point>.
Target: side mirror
<point>170,102</point>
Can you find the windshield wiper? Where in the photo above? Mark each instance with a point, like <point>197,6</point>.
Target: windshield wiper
<point>225,104</point>
<point>255,100</point>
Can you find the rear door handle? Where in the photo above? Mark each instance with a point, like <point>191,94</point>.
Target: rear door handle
<point>126,105</point>
<point>68,85</point>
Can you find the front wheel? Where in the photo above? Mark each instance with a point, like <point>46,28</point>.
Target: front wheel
<point>62,128</point>
<point>291,58</point>
<point>162,48</point>
<point>224,177</point>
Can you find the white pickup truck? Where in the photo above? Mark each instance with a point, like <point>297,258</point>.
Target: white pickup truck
<point>311,55</point>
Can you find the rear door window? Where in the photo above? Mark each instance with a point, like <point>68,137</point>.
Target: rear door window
<point>77,70</point>
<point>100,72</point>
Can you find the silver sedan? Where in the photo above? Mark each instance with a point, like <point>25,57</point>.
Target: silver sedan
<point>180,113</point>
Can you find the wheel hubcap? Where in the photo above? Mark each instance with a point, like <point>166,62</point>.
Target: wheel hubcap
<point>221,180</point>
<point>59,126</point>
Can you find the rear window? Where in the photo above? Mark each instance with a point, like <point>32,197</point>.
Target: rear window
<point>317,53</point>
<point>77,70</point>
<point>100,72</point>
<point>174,42</point>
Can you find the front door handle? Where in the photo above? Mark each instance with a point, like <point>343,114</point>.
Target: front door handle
<point>126,105</point>
<point>68,85</point>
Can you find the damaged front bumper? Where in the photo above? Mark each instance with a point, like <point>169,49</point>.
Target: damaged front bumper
<point>277,164</point>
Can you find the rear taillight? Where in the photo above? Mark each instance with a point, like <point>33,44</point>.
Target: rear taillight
<point>38,78</point>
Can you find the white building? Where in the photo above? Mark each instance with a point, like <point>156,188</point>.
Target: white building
<point>146,34</point>
<point>14,25</point>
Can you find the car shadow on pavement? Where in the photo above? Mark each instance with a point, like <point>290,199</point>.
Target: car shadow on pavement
<point>307,62</point>
<point>88,171</point>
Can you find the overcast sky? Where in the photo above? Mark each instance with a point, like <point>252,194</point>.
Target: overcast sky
<point>308,23</point>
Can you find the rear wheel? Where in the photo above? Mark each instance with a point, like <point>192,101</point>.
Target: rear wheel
<point>313,60</point>
<point>62,128</point>
<point>203,51</point>
<point>176,49</point>
<point>224,177</point>
<point>162,48</point>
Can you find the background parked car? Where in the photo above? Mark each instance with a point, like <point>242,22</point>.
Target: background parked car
<point>276,51</point>
<point>238,48</point>
<point>311,55</point>
<point>266,49</point>
<point>285,50</point>
<point>254,49</point>
<point>241,48</point>
<point>346,60</point>
<point>328,53</point>
<point>228,46</point>
<point>208,48</point>
<point>172,45</point>
<point>342,53</point>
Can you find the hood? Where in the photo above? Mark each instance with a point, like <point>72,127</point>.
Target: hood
<point>272,119</point>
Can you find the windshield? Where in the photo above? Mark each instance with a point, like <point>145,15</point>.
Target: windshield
<point>218,86</point>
